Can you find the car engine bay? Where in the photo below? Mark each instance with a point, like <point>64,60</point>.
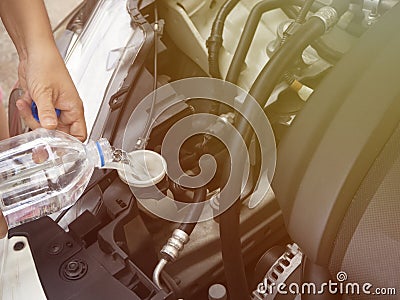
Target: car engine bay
<point>116,242</point>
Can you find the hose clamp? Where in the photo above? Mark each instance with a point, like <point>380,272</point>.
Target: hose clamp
<point>328,15</point>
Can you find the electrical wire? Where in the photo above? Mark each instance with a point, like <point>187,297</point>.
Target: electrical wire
<point>142,141</point>
<point>305,9</point>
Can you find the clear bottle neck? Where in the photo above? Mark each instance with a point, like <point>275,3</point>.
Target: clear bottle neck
<point>99,153</point>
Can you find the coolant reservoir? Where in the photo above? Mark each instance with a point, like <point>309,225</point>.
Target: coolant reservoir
<point>146,168</point>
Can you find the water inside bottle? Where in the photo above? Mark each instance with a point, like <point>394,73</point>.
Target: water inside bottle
<point>41,176</point>
<point>45,171</point>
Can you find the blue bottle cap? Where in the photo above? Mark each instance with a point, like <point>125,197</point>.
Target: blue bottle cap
<point>35,112</point>
<point>101,154</point>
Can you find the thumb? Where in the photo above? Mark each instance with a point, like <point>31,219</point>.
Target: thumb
<point>47,114</point>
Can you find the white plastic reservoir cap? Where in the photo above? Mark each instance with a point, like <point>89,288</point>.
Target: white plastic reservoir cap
<point>217,292</point>
<point>146,168</point>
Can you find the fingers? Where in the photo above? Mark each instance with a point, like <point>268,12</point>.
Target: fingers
<point>72,119</point>
<point>78,130</point>
<point>26,114</point>
<point>48,84</point>
<point>46,111</point>
<point>3,226</point>
<point>47,114</point>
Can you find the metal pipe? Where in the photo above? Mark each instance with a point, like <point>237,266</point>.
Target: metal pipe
<point>157,272</point>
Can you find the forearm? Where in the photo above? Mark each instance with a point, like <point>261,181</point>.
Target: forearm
<point>42,73</point>
<point>28,24</point>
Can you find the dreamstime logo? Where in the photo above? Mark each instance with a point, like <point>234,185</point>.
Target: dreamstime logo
<point>340,287</point>
<point>170,99</point>
<point>341,276</point>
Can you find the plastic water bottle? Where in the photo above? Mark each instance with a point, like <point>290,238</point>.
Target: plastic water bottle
<point>44,171</point>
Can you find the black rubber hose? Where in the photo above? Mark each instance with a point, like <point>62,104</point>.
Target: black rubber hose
<point>281,61</point>
<point>248,35</point>
<point>194,214</point>
<point>262,88</point>
<point>235,275</point>
<point>283,58</point>
<point>230,220</point>
<point>249,30</point>
<point>327,53</point>
<point>300,19</point>
<point>290,11</point>
<point>214,42</point>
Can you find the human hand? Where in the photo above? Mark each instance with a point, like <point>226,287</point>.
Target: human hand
<point>3,226</point>
<point>45,80</point>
